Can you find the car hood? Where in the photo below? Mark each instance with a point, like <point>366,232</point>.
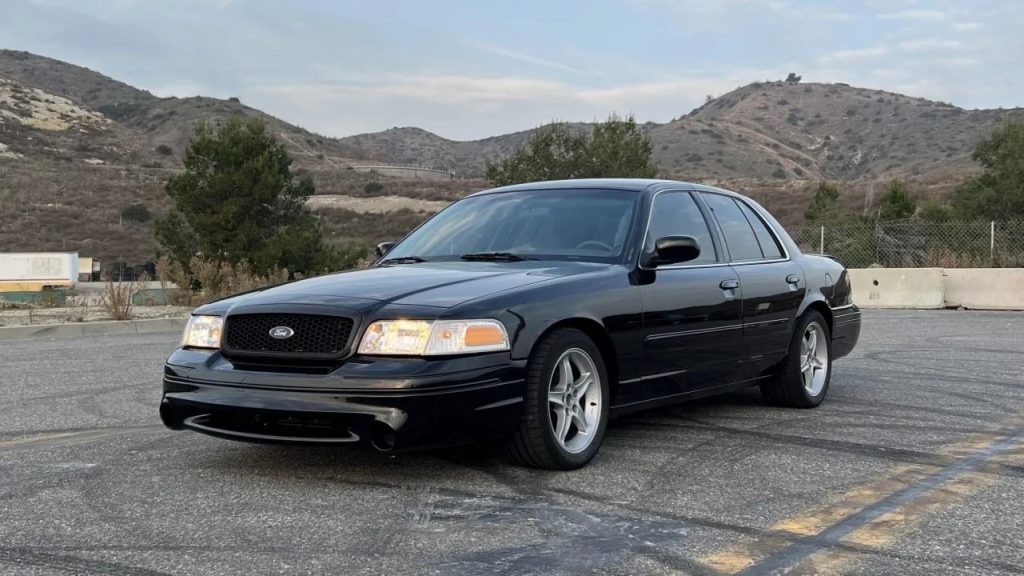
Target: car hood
<point>435,284</point>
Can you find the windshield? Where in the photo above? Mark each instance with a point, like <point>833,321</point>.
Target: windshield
<point>589,225</point>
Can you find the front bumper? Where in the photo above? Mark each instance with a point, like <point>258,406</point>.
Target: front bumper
<point>386,402</point>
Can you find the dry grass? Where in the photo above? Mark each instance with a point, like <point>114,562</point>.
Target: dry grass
<point>117,299</point>
<point>209,280</point>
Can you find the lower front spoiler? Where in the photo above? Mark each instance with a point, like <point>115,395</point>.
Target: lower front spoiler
<point>384,420</point>
<point>202,423</point>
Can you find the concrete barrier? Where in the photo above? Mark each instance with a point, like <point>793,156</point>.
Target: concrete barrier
<point>985,288</point>
<point>898,287</point>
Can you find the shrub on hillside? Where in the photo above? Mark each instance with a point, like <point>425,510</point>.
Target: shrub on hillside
<point>136,213</point>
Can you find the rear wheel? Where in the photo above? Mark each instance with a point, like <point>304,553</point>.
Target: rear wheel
<point>565,410</point>
<point>807,370</point>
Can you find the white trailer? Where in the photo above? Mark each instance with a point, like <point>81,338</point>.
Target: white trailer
<point>32,271</point>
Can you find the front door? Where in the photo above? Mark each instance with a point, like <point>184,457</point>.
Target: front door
<point>692,326</point>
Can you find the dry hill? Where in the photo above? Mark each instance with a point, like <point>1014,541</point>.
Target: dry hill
<point>76,147</point>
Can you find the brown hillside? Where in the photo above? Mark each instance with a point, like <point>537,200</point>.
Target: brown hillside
<point>77,147</point>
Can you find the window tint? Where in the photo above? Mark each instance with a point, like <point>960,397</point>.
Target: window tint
<point>769,245</point>
<point>739,236</point>
<point>677,214</point>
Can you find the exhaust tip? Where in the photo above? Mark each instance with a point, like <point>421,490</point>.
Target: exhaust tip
<point>382,437</point>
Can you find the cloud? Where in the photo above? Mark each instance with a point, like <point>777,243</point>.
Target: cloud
<point>967,26</point>
<point>854,55</point>
<point>930,45</point>
<point>498,104</point>
<point>476,90</point>
<point>513,55</point>
<point>732,9</point>
<point>916,15</point>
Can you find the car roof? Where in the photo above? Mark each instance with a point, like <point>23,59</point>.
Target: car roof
<point>631,184</point>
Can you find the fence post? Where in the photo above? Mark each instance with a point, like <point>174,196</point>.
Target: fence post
<point>822,250</point>
<point>992,243</point>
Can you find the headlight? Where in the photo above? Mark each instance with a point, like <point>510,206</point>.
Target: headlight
<point>203,332</point>
<point>433,337</point>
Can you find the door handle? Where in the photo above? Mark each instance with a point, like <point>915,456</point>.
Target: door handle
<point>729,284</point>
<point>792,279</point>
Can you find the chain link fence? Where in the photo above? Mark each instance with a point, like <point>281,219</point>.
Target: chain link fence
<point>918,244</point>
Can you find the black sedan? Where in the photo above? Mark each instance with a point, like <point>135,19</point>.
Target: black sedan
<point>529,314</point>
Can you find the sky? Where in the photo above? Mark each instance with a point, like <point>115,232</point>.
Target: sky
<point>471,69</point>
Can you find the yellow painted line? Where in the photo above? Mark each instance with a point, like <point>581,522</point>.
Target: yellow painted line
<point>880,531</point>
<point>813,521</point>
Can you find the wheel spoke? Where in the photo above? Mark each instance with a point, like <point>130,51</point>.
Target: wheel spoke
<point>565,374</point>
<point>582,383</point>
<point>561,425</point>
<point>812,343</point>
<point>579,418</point>
<point>555,399</point>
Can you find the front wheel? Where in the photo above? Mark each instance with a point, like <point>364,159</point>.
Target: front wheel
<point>565,409</point>
<point>807,370</point>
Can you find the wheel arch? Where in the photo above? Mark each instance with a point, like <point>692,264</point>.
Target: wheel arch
<point>820,305</point>
<point>599,335</point>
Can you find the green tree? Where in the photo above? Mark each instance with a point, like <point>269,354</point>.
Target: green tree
<point>936,212</point>
<point>896,203</point>
<point>615,148</point>
<point>824,204</point>
<point>998,193</point>
<point>238,200</point>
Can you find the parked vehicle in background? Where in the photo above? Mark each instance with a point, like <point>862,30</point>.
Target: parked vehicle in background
<point>36,271</point>
<point>531,314</point>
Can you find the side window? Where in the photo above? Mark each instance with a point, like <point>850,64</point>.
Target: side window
<point>739,236</point>
<point>769,245</point>
<point>677,214</point>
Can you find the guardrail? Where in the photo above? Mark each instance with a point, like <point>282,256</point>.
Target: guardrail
<point>381,166</point>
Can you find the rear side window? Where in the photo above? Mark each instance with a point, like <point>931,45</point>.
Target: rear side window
<point>677,214</point>
<point>739,236</point>
<point>769,245</point>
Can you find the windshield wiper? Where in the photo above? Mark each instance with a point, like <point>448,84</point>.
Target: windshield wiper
<point>403,260</point>
<point>495,257</point>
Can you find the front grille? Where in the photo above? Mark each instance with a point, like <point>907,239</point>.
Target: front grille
<point>312,334</point>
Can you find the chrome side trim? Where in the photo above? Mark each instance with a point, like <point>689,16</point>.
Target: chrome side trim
<point>768,322</point>
<point>843,307</point>
<point>698,332</point>
<point>652,376</point>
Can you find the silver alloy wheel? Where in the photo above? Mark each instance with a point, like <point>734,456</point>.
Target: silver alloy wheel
<point>574,400</point>
<point>813,359</point>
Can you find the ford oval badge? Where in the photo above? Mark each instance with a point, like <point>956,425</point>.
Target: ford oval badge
<point>281,332</point>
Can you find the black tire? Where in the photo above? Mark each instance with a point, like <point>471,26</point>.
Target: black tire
<point>788,387</point>
<point>534,443</point>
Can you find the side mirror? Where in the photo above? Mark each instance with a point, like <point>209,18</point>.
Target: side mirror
<point>383,248</point>
<point>674,250</point>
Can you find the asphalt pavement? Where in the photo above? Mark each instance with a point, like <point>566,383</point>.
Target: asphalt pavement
<point>914,465</point>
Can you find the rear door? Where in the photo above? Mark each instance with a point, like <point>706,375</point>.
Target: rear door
<point>691,311</point>
<point>773,285</point>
